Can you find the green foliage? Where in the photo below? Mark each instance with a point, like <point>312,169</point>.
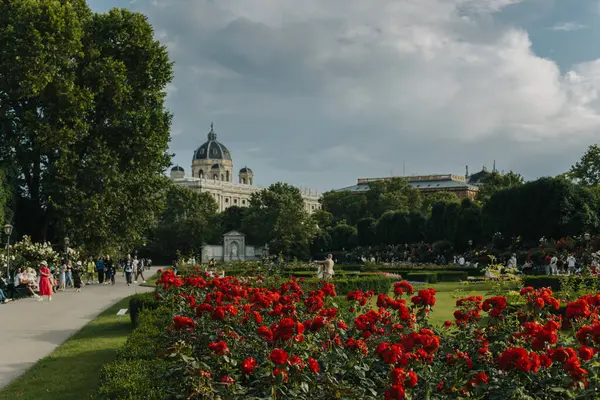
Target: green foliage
<point>139,302</point>
<point>495,182</point>
<point>587,170</point>
<point>437,197</point>
<point>395,194</point>
<point>5,195</point>
<point>343,237</point>
<point>542,281</point>
<point>84,129</point>
<point>343,286</point>
<point>232,219</point>
<point>134,379</point>
<point>344,205</point>
<point>452,276</point>
<point>551,207</point>
<point>427,277</point>
<point>277,217</point>
<point>186,223</point>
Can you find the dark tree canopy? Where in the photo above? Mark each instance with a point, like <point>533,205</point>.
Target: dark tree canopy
<point>84,129</point>
<point>587,170</point>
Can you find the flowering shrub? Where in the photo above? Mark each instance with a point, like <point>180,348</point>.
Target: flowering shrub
<point>249,338</point>
<point>29,254</point>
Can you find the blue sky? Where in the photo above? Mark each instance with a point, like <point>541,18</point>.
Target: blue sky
<point>320,93</point>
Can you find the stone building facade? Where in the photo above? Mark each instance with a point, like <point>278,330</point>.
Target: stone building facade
<point>212,172</point>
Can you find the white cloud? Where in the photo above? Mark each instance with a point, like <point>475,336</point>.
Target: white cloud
<point>568,26</point>
<point>370,79</point>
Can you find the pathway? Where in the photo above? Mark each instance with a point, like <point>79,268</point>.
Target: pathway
<point>30,330</point>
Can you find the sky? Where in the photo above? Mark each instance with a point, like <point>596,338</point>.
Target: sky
<point>320,93</point>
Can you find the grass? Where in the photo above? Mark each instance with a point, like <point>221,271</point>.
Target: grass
<point>151,282</point>
<point>72,371</point>
<point>446,295</point>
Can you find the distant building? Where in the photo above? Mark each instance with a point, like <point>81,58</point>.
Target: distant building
<point>212,172</point>
<point>463,186</point>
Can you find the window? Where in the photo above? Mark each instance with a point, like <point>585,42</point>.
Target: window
<point>244,181</point>
<point>201,174</point>
<point>216,177</point>
<point>234,201</point>
<point>227,200</point>
<point>222,177</point>
<point>227,175</point>
<point>243,201</point>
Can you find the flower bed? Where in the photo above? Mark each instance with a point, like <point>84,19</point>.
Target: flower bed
<point>262,338</point>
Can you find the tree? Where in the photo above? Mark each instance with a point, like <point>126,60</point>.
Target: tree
<point>185,225</point>
<point>324,219</point>
<point>343,237</point>
<point>232,219</point>
<point>437,197</point>
<point>277,217</point>
<point>496,181</point>
<point>5,195</point>
<point>83,121</point>
<point>366,231</point>
<point>344,205</point>
<point>587,170</point>
<point>395,194</point>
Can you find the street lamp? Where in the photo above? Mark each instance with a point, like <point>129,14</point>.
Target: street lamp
<point>586,236</point>
<point>8,231</point>
<point>67,242</point>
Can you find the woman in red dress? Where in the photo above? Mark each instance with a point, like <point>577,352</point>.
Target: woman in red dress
<point>45,285</point>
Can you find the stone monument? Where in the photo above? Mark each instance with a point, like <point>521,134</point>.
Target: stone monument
<point>234,248</point>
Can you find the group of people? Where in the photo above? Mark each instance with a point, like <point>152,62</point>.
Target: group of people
<point>69,274</point>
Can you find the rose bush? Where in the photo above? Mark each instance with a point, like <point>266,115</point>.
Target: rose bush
<point>252,338</point>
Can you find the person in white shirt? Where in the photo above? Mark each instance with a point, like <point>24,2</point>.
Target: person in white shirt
<point>512,261</point>
<point>461,260</point>
<point>571,261</point>
<point>554,265</point>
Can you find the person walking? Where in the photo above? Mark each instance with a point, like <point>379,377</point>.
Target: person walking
<point>128,270</point>
<point>138,267</point>
<point>45,284</point>
<point>62,275</point>
<point>100,269</point>
<point>77,271</point>
<point>69,274</point>
<point>108,270</point>
<point>90,269</point>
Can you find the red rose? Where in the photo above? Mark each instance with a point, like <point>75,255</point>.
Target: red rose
<point>278,356</point>
<point>313,365</point>
<point>248,365</point>
<point>586,353</point>
<point>219,347</point>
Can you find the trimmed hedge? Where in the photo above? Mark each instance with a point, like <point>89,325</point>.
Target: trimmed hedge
<point>141,301</point>
<point>427,277</point>
<point>343,286</point>
<point>542,281</point>
<point>134,380</point>
<point>452,276</point>
<point>142,342</point>
<point>574,282</point>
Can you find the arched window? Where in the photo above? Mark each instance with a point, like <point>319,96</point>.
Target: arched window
<point>227,175</point>
<point>251,181</point>
<point>222,177</point>
<point>244,181</point>
<point>216,177</point>
<point>201,174</point>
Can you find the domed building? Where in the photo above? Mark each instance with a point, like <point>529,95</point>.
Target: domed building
<point>212,172</point>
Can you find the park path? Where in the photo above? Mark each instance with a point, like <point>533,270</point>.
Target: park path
<point>30,330</point>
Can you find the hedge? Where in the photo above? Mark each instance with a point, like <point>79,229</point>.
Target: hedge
<point>343,286</point>
<point>143,342</point>
<point>141,301</point>
<point>134,380</point>
<point>427,277</point>
<point>574,282</point>
<point>451,276</point>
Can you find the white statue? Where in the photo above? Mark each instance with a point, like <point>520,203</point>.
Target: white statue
<point>234,250</point>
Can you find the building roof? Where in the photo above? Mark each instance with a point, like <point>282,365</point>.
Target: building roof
<point>212,149</point>
<point>245,170</point>
<point>177,168</point>
<point>424,182</point>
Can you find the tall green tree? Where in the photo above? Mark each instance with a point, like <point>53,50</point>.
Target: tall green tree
<point>232,219</point>
<point>83,121</point>
<point>495,182</point>
<point>395,194</point>
<point>344,206</point>
<point>437,197</point>
<point>587,170</point>
<point>277,217</point>
<point>186,223</point>
<point>5,195</point>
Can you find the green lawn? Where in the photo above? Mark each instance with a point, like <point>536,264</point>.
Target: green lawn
<point>72,370</point>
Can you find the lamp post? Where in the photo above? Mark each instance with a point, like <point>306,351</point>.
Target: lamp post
<point>67,242</point>
<point>8,231</point>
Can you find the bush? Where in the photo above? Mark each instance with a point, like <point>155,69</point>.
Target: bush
<point>541,281</point>
<point>343,286</point>
<point>451,276</point>
<point>427,277</point>
<point>141,301</point>
<point>134,379</point>
<point>142,342</point>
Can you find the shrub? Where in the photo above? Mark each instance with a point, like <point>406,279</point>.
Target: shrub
<point>140,302</point>
<point>541,281</point>
<point>343,286</point>
<point>451,276</point>
<point>427,277</point>
<point>134,379</point>
<point>142,342</point>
